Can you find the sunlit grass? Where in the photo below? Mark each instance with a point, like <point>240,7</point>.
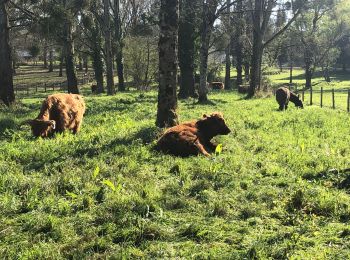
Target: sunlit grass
<point>279,189</point>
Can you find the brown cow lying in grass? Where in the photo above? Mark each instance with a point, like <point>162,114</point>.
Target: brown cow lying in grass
<point>58,113</point>
<point>284,95</point>
<point>193,138</point>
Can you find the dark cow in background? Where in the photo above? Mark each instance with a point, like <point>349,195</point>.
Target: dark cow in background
<point>94,89</point>
<point>193,138</point>
<point>217,85</point>
<point>284,95</point>
<point>58,113</point>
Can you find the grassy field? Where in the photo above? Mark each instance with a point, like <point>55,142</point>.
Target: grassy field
<point>339,79</point>
<point>280,188</point>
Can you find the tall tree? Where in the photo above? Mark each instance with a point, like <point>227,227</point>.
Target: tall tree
<point>261,14</point>
<point>7,94</point>
<point>93,40</point>
<point>239,32</point>
<point>168,41</point>
<point>210,12</point>
<point>72,81</point>
<point>319,30</point>
<point>187,37</point>
<point>108,48</point>
<point>228,47</point>
<point>208,19</point>
<point>120,45</point>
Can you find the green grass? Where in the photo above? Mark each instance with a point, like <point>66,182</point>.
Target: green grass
<point>278,190</point>
<point>339,79</point>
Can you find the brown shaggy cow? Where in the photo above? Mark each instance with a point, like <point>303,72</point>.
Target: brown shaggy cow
<point>58,113</point>
<point>93,88</point>
<point>217,85</point>
<point>284,95</point>
<point>193,138</point>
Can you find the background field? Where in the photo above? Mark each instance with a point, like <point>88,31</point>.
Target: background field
<point>280,188</point>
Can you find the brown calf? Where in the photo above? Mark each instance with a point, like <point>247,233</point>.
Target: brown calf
<point>58,113</point>
<point>193,138</point>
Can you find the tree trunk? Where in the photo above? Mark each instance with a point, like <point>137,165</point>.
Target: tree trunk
<point>60,73</point>
<point>120,46</point>
<point>86,63</point>
<point>204,53</point>
<point>308,68</point>
<point>80,64</point>
<point>98,68</point>
<point>45,57</point>
<point>291,68</point>
<point>120,69</point>
<point>187,31</point>
<point>72,81</point>
<point>239,43</point>
<point>14,64</point>
<point>246,71</point>
<point>108,49</point>
<point>228,67</point>
<point>167,100</point>
<point>308,77</point>
<point>203,68</point>
<point>146,81</point>
<point>255,70</point>
<point>7,94</point>
<point>327,78</point>
<point>51,61</point>
<point>291,73</point>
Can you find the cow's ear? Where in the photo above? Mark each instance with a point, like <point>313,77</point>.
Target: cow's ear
<point>299,96</point>
<point>205,116</point>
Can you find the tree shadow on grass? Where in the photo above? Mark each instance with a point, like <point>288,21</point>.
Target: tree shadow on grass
<point>340,178</point>
<point>146,135</point>
<point>118,105</point>
<point>7,124</point>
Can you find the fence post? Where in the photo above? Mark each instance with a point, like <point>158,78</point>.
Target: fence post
<point>310,96</point>
<point>27,90</point>
<point>321,96</point>
<point>53,87</point>
<point>348,100</point>
<point>333,99</point>
<point>45,87</point>
<point>36,88</point>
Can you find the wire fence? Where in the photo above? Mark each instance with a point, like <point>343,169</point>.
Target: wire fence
<point>22,88</point>
<point>329,97</point>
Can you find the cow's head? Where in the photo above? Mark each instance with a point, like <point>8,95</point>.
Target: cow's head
<point>42,128</point>
<point>214,124</point>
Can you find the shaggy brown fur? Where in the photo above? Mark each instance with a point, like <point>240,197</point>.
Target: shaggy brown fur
<point>284,95</point>
<point>193,138</point>
<point>217,85</point>
<point>58,113</point>
<point>93,88</point>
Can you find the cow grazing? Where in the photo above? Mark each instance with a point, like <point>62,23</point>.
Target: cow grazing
<point>58,113</point>
<point>193,138</point>
<point>93,88</point>
<point>217,85</point>
<point>284,95</point>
